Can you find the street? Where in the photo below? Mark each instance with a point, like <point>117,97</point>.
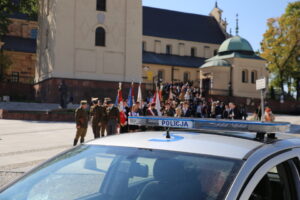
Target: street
<point>24,144</point>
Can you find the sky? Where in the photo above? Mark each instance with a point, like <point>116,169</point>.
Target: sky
<point>253,14</point>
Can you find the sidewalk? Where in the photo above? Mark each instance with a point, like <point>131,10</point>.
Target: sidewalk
<point>20,106</point>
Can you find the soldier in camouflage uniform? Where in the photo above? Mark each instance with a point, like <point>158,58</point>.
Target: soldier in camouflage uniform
<point>96,115</point>
<point>81,118</point>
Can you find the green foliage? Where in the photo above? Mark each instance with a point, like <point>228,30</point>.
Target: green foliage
<point>5,62</point>
<point>9,7</point>
<point>281,48</point>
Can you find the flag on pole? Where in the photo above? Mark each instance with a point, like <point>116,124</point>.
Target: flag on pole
<point>119,104</point>
<point>139,97</point>
<point>157,103</point>
<point>130,100</point>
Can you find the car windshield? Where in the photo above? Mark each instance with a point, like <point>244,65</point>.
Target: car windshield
<point>121,173</point>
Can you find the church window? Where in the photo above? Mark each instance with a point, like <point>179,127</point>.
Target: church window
<point>101,5</point>
<point>100,37</point>
<point>168,49</point>
<point>186,77</point>
<point>253,76</point>
<point>245,76</point>
<point>193,52</point>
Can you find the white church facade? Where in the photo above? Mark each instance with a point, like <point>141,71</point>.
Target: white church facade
<point>92,45</point>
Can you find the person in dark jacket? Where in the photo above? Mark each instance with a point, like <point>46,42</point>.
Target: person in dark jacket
<point>168,111</point>
<point>113,118</point>
<point>81,119</point>
<point>234,112</point>
<point>186,111</point>
<point>152,110</point>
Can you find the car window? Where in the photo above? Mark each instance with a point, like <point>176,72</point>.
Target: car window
<point>277,184</point>
<point>114,173</point>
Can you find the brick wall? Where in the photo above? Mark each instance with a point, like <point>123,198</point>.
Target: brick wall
<point>47,91</point>
<point>17,91</point>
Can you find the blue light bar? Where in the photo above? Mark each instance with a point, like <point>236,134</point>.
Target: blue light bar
<point>212,124</point>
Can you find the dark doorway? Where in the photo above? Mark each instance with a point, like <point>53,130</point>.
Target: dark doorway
<point>206,83</point>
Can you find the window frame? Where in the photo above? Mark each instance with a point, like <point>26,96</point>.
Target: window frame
<point>162,77</point>
<point>169,49</point>
<point>101,5</point>
<point>15,77</point>
<point>193,52</point>
<point>188,77</point>
<point>253,76</point>
<point>245,74</point>
<point>267,164</point>
<point>102,42</point>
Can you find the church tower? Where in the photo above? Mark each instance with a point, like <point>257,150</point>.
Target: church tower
<point>90,44</point>
<point>217,14</point>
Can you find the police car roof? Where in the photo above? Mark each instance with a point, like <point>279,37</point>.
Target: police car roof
<point>188,142</point>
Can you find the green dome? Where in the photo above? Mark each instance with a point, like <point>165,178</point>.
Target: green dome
<point>216,63</point>
<point>235,44</point>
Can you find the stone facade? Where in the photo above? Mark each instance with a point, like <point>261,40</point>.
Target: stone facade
<point>66,42</point>
<point>23,65</point>
<point>22,69</point>
<point>22,28</point>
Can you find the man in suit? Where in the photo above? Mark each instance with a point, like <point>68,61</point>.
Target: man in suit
<point>81,118</point>
<point>113,118</point>
<point>186,111</point>
<point>234,112</point>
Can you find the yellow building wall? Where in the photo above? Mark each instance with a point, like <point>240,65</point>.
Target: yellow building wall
<point>248,89</point>
<point>150,71</point>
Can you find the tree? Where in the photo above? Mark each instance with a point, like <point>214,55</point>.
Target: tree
<point>281,48</point>
<point>5,62</point>
<point>10,7</point>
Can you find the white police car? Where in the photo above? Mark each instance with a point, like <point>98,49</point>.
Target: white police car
<point>207,162</point>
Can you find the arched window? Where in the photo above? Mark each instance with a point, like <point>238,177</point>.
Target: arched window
<point>193,52</point>
<point>100,37</point>
<point>186,77</point>
<point>245,76</point>
<point>101,5</point>
<point>253,76</point>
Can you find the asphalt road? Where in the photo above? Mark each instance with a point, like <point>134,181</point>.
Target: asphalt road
<point>25,144</point>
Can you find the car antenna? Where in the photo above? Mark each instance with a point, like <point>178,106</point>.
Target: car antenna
<point>168,136</point>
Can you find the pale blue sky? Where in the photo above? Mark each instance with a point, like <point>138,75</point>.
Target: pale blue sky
<point>253,14</point>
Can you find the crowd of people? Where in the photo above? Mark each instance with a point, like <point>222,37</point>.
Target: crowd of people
<point>177,100</point>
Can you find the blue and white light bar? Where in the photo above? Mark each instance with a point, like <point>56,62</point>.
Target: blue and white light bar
<point>211,124</point>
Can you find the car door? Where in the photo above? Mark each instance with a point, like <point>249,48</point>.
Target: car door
<point>276,179</point>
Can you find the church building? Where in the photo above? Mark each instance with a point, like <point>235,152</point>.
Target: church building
<point>92,45</point>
